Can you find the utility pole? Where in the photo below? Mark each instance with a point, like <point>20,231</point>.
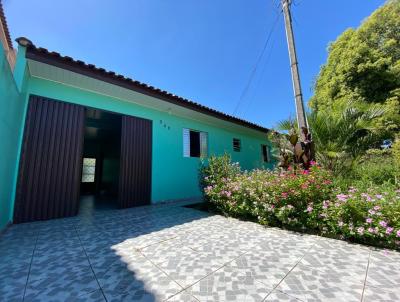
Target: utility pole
<point>301,116</point>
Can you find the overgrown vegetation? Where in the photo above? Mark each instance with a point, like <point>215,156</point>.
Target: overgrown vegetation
<point>306,201</point>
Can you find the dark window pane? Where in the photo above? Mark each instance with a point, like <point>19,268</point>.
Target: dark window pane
<point>194,144</point>
<point>236,145</point>
<point>264,150</point>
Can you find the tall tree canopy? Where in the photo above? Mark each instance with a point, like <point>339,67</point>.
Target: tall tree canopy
<point>363,67</point>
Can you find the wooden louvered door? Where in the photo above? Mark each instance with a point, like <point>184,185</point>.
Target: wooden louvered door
<point>135,164</point>
<point>50,165</point>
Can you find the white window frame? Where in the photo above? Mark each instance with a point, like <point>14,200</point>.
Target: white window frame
<point>203,143</point>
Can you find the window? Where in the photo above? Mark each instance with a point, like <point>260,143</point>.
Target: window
<point>194,143</point>
<point>237,145</point>
<point>88,170</point>
<point>265,153</point>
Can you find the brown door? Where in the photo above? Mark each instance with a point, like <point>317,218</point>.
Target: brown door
<point>135,166</point>
<point>50,165</point>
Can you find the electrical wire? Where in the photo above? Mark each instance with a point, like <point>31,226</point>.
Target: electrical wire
<point>245,110</point>
<point>254,70</point>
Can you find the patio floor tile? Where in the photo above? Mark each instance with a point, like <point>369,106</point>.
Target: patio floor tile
<point>265,267</point>
<point>277,296</point>
<point>172,253</point>
<point>228,284</point>
<point>166,251</point>
<point>190,269</point>
<point>372,294</point>
<point>309,284</point>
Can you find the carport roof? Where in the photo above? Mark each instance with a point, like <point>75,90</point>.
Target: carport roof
<point>55,59</point>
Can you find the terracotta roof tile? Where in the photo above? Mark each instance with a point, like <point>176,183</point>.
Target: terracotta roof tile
<point>5,26</point>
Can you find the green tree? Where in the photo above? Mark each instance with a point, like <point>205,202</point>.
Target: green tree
<point>363,66</point>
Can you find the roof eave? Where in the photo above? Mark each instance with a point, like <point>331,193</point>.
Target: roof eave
<point>55,59</point>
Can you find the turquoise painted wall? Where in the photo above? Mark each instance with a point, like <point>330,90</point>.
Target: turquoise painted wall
<point>11,114</point>
<point>173,176</point>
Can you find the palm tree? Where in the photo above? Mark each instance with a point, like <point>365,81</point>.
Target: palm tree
<point>341,138</point>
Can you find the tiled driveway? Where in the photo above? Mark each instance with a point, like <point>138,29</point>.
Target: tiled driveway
<point>178,254</point>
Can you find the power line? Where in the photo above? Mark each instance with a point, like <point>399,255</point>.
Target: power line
<point>253,72</point>
<point>260,78</point>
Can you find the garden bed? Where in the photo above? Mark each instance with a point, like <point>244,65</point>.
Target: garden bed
<point>305,201</point>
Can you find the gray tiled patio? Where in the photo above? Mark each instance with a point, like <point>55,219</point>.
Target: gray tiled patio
<point>173,253</point>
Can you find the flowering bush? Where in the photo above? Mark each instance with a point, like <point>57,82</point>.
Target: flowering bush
<point>303,200</point>
<point>289,198</point>
<point>369,215</point>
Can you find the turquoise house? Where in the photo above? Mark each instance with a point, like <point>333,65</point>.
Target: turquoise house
<point>72,131</point>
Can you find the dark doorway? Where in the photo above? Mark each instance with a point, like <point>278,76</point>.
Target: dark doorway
<point>101,159</point>
<point>75,158</point>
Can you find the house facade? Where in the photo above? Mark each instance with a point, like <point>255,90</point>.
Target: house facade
<point>69,128</point>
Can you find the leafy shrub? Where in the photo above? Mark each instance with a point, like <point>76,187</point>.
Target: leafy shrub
<point>305,201</point>
<point>376,167</point>
<point>271,197</point>
<point>217,170</point>
<point>368,215</point>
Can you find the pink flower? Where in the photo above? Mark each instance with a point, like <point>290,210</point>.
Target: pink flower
<point>377,208</point>
<point>342,197</point>
<point>389,230</point>
<point>352,190</point>
<point>379,196</point>
<point>398,234</point>
<point>325,204</point>
<point>369,220</point>
<point>284,194</point>
<point>313,163</point>
<point>208,188</point>
<point>371,230</point>
<point>383,223</point>
<point>306,172</point>
<point>360,230</point>
<point>309,209</point>
<point>372,212</point>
